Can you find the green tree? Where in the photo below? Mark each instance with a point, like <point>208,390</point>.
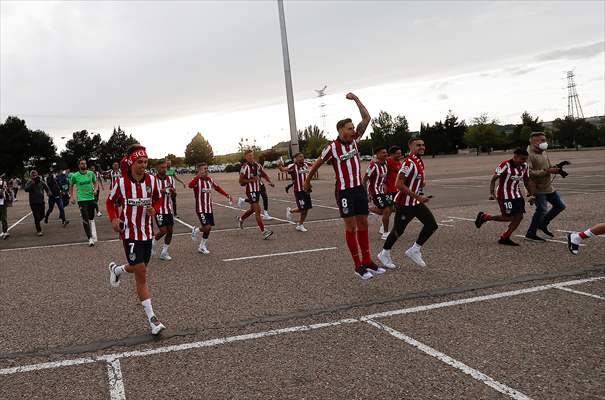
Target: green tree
<point>315,145</point>
<point>82,145</point>
<point>388,131</point>
<point>42,151</point>
<point>482,134</point>
<point>454,131</point>
<point>175,161</point>
<point>198,150</point>
<point>115,147</point>
<point>522,132</point>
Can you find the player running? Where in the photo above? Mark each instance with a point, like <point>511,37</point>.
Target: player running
<point>574,239</point>
<point>510,199</point>
<point>250,175</point>
<point>115,174</point>
<point>202,185</point>
<point>164,217</point>
<point>350,194</point>
<point>410,203</point>
<point>141,201</point>
<point>86,185</point>
<point>376,175</point>
<point>393,167</point>
<point>298,170</point>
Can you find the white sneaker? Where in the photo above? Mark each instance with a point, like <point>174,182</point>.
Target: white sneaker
<point>165,256</point>
<point>381,230</point>
<point>203,249</point>
<point>415,256</point>
<point>99,214</point>
<point>240,202</point>
<point>301,228</point>
<point>155,325</point>
<point>114,279</point>
<point>385,235</point>
<point>194,233</point>
<point>289,214</point>
<point>385,259</point>
<point>266,215</point>
<point>91,242</point>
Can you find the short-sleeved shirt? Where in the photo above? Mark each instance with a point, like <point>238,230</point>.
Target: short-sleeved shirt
<point>299,174</point>
<point>84,184</point>
<point>202,189</point>
<point>171,171</point>
<point>412,171</point>
<point>393,167</point>
<point>165,187</point>
<point>376,173</point>
<point>509,177</point>
<point>345,161</point>
<point>249,171</point>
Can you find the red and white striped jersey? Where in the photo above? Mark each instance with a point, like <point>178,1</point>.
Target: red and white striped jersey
<point>115,175</point>
<point>202,189</point>
<point>345,161</point>
<point>299,174</point>
<point>509,177</point>
<point>376,173</point>
<point>412,169</point>
<point>249,171</point>
<point>135,197</point>
<point>165,186</point>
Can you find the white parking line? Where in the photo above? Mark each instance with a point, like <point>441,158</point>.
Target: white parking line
<point>115,380</point>
<point>183,222</point>
<point>582,293</point>
<point>16,223</point>
<point>478,375</point>
<point>281,254</point>
<point>301,328</point>
<point>462,219</point>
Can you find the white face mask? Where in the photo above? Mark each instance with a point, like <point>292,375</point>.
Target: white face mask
<point>543,146</point>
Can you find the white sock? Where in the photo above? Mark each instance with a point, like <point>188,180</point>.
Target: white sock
<point>148,309</point>
<point>386,252</point>
<point>588,233</point>
<point>165,248</point>
<point>119,270</point>
<point>416,247</point>
<point>204,242</point>
<point>575,238</point>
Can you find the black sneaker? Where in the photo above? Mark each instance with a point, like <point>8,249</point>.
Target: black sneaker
<point>363,273</point>
<point>375,269</point>
<point>46,220</point>
<point>507,242</point>
<point>573,248</point>
<point>267,234</point>
<point>534,238</point>
<point>65,222</point>
<point>479,220</point>
<point>547,232</point>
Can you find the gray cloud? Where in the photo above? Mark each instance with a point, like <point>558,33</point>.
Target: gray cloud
<point>573,53</point>
<point>517,71</point>
<point>443,96</point>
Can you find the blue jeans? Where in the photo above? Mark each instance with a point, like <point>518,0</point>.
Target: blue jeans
<point>541,217</point>
<point>52,200</point>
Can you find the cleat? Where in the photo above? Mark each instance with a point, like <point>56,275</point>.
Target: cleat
<point>363,273</point>
<point>267,233</point>
<point>479,220</point>
<point>240,223</point>
<point>266,215</point>
<point>375,269</point>
<point>573,247</point>
<point>165,256</point>
<point>91,242</point>
<point>415,256</point>
<point>194,233</point>
<point>114,279</point>
<point>385,236</point>
<point>289,214</point>
<point>534,238</point>
<point>203,250</point>
<point>547,232</point>
<point>155,325</point>
<point>240,202</point>
<point>5,236</point>
<point>39,234</point>
<point>301,228</point>
<point>385,259</point>
<point>507,242</point>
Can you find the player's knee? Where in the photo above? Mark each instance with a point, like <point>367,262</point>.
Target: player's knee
<point>432,226</point>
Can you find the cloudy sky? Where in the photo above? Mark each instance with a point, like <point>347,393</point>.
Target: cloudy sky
<point>165,70</point>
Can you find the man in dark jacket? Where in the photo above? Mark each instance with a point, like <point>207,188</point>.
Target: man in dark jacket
<point>36,188</point>
<point>63,182</point>
<point>55,197</point>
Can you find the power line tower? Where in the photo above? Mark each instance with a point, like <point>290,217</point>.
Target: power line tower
<point>322,107</point>
<point>574,109</point>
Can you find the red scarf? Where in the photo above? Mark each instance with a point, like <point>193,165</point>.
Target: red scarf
<point>130,159</point>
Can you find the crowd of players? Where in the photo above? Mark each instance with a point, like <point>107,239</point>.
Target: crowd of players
<point>392,183</point>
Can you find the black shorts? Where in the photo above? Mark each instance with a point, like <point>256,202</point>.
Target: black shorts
<point>391,196</point>
<point>164,220</point>
<point>206,218</point>
<point>253,197</point>
<point>352,202</point>
<point>512,206</point>
<point>303,200</point>
<point>382,201</point>
<point>137,251</point>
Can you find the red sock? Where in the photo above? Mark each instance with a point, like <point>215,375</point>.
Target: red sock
<point>351,239</point>
<point>586,234</point>
<point>486,217</point>
<point>506,235</point>
<point>364,245</point>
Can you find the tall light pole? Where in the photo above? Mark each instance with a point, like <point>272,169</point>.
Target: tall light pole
<point>288,77</point>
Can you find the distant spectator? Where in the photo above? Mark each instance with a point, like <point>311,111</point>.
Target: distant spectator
<point>16,186</point>
<point>36,188</point>
<point>55,197</point>
<point>5,202</point>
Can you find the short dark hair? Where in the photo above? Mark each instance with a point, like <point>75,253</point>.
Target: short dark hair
<point>297,154</point>
<point>202,164</point>
<point>413,139</point>
<point>534,134</point>
<point>160,161</point>
<point>133,147</point>
<point>340,124</point>
<point>248,151</point>
<point>394,149</point>
<point>521,152</point>
<point>379,148</point>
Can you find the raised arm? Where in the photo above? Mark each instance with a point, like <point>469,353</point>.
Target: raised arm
<point>365,115</point>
